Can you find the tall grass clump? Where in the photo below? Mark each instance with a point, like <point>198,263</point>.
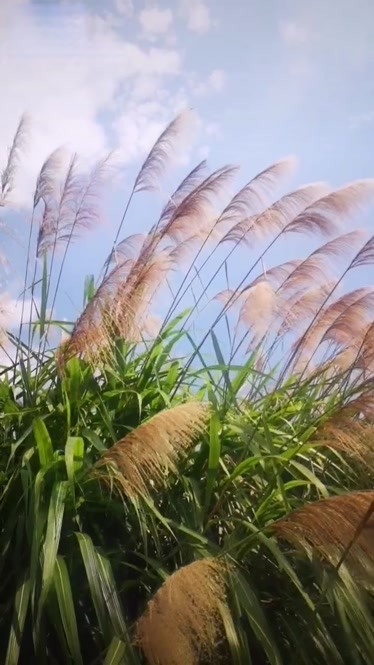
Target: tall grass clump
<point>187,472</point>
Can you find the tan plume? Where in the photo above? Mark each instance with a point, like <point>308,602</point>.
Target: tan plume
<point>121,302</point>
<point>127,250</point>
<point>277,274</point>
<point>182,624</point>
<point>354,438</point>
<point>91,335</point>
<point>9,171</point>
<point>365,356</point>
<point>276,218</point>
<point>319,264</point>
<point>186,187</point>
<point>335,527</point>
<point>311,339</point>
<point>365,256</point>
<point>351,325</point>
<point>361,406</point>
<point>227,297</point>
<point>129,306</point>
<point>327,214</point>
<point>258,308</point>
<point>46,188</point>
<point>255,195</point>
<point>74,208</point>
<point>301,309</point>
<point>159,156</point>
<point>196,212</point>
<point>145,455</point>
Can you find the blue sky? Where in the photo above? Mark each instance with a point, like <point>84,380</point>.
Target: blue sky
<point>266,78</point>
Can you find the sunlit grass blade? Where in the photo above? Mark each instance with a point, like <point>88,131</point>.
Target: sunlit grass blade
<point>21,606</point>
<point>43,442</point>
<point>253,612</point>
<point>116,654</point>
<point>93,571</point>
<point>52,539</point>
<point>64,595</point>
<point>74,455</point>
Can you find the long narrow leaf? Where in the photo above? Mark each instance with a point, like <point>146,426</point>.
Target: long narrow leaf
<point>66,606</point>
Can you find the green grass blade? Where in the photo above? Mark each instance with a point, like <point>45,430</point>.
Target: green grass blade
<point>66,605</point>
<point>250,605</point>
<point>44,298</point>
<point>116,653</point>
<point>214,457</point>
<point>74,453</point>
<point>91,565</point>
<point>52,538</point>
<point>21,604</point>
<point>43,442</point>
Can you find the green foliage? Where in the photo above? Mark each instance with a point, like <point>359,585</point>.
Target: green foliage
<point>82,555</point>
<point>79,563</point>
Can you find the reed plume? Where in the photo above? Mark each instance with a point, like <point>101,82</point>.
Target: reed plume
<point>329,212</point>
<point>155,164</point>
<point>46,187</point>
<point>297,310</point>
<point>145,455</point>
<point>188,185</point>
<point>280,300</point>
<point>319,263</point>
<point>354,438</point>
<point>7,177</point>
<point>351,325</point>
<point>255,195</point>
<point>337,527</point>
<point>276,218</point>
<point>182,623</point>
<point>308,343</point>
<point>71,208</point>
<point>365,256</point>
<point>258,309</point>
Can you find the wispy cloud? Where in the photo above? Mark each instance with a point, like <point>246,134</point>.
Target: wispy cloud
<point>197,15</point>
<point>155,22</point>
<point>124,7</point>
<point>215,82</point>
<point>68,67</point>
<point>293,32</point>
<point>361,120</point>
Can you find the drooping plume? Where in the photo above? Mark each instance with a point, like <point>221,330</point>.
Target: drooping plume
<point>182,623</point>
<point>151,451</point>
<point>72,209</point>
<point>257,193</point>
<point>276,218</point>
<point>9,171</point>
<point>337,527</point>
<point>159,156</point>
<point>327,214</point>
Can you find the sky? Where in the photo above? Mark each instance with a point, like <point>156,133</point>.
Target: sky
<point>266,79</point>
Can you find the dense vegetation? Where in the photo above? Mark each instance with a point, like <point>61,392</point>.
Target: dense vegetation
<point>174,497</point>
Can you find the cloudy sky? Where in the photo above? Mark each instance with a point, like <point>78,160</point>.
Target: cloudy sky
<point>266,78</point>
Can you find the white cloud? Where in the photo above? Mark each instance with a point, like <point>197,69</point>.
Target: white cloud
<point>293,32</point>
<point>155,22</point>
<point>214,83</point>
<point>217,80</point>
<point>11,311</point>
<point>197,15</point>
<point>124,7</point>
<point>213,129</point>
<point>66,69</point>
<point>139,133</point>
<point>203,152</point>
<point>360,120</point>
